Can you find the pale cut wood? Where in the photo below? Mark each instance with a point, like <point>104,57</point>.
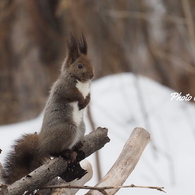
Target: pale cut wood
<point>125,163</point>
<point>41,176</point>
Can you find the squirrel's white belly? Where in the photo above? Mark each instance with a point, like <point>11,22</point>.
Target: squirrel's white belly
<point>78,114</point>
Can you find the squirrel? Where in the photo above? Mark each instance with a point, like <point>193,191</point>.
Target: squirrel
<point>63,127</point>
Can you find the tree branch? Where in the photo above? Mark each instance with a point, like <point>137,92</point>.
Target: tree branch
<point>172,58</point>
<point>144,16</point>
<point>125,163</point>
<point>100,189</point>
<point>41,176</point>
<point>68,191</point>
<point>190,26</point>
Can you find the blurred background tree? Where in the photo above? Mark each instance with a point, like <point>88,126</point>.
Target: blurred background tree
<point>154,38</point>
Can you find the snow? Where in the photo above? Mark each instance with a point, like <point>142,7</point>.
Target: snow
<point>122,102</point>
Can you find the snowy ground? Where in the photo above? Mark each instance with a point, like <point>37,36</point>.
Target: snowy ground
<point>123,102</point>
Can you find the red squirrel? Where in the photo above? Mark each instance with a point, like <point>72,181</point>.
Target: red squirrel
<point>63,126</point>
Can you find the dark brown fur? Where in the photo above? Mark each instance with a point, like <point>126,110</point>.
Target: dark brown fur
<point>59,131</point>
<point>23,159</point>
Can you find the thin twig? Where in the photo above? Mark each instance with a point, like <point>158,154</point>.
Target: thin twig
<point>144,16</point>
<point>143,109</point>
<point>102,189</point>
<point>190,25</point>
<point>174,59</point>
<point>9,10</point>
<point>97,156</point>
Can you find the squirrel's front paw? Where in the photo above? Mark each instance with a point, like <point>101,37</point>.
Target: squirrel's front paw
<point>87,99</point>
<point>82,104</point>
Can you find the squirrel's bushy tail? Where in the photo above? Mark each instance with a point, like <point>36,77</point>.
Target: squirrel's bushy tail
<point>22,159</point>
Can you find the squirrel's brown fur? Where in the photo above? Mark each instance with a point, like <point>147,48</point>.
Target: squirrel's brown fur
<point>23,159</point>
<point>63,126</point>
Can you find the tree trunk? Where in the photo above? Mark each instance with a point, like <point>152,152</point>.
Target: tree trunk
<point>30,47</point>
<point>154,38</point>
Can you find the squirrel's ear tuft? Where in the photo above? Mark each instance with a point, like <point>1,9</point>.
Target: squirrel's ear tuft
<point>75,47</point>
<point>82,43</point>
<point>72,50</point>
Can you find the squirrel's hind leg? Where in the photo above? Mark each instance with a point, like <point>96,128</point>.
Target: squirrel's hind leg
<point>74,169</point>
<point>69,155</point>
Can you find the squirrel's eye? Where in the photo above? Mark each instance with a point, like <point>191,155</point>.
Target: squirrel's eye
<point>80,66</point>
